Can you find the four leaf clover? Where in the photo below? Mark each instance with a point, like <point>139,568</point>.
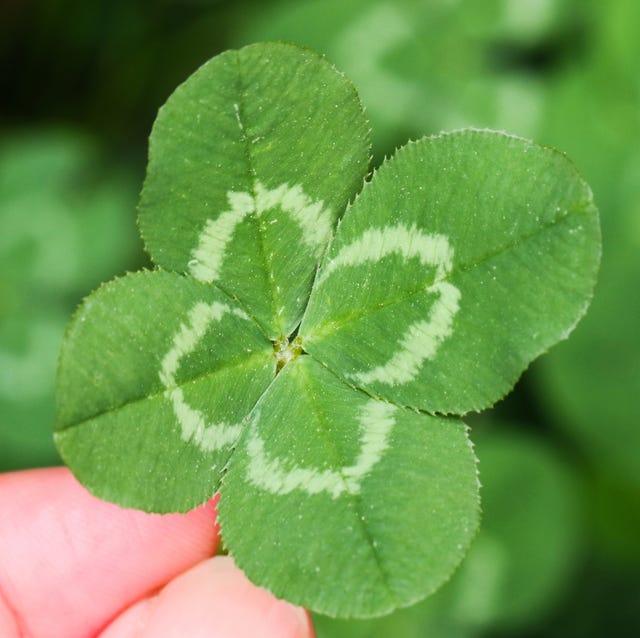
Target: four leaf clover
<point>309,338</point>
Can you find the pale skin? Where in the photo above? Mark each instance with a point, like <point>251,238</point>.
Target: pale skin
<point>74,566</point>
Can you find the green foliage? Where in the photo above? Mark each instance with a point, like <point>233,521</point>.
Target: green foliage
<point>588,383</point>
<point>66,225</point>
<point>432,66</point>
<point>523,559</point>
<point>563,72</point>
<point>304,366</point>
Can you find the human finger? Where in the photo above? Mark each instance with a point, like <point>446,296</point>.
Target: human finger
<point>70,562</point>
<point>214,599</point>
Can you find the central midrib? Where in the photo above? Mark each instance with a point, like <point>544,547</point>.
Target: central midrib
<point>355,504</point>
<point>237,363</point>
<point>487,257</point>
<point>266,258</point>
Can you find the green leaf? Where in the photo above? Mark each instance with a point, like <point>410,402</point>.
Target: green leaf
<point>144,416</point>
<point>256,153</point>
<point>491,261</point>
<point>363,506</point>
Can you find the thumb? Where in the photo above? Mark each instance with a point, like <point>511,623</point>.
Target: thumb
<point>214,599</point>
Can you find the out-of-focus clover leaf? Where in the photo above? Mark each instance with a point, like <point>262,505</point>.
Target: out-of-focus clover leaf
<point>67,222</point>
<point>432,66</point>
<point>591,383</point>
<point>66,215</point>
<point>526,552</point>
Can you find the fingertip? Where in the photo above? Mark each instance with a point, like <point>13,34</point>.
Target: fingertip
<point>86,550</point>
<point>212,598</point>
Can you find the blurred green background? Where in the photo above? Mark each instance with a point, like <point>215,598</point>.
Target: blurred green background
<point>559,550</point>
